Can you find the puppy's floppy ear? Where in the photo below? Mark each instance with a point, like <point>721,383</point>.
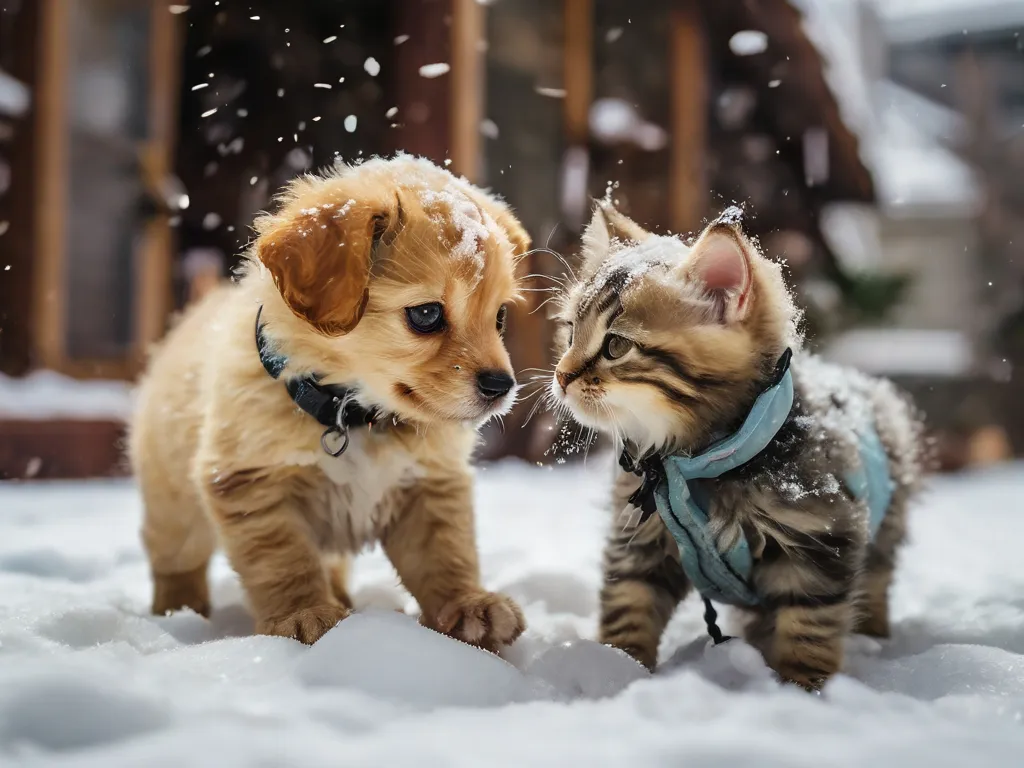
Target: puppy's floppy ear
<point>320,258</point>
<point>605,224</point>
<point>721,260</point>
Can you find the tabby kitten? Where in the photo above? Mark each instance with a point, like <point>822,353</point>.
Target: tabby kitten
<point>667,347</point>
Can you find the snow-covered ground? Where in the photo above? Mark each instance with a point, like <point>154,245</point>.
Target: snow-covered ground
<point>88,678</point>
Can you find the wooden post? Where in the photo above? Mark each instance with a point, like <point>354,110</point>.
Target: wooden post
<point>153,288</point>
<point>578,74</point>
<point>17,203</point>
<point>689,105</point>
<point>467,92</point>
<point>424,104</point>
<point>49,304</point>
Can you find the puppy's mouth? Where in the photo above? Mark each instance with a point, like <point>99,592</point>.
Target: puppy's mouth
<point>472,409</point>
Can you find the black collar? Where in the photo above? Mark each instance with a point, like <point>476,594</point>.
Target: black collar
<point>334,406</point>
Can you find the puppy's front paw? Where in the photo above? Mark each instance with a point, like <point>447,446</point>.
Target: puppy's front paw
<point>306,626</point>
<point>485,619</point>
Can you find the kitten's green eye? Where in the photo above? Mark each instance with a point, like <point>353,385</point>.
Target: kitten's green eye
<point>615,346</point>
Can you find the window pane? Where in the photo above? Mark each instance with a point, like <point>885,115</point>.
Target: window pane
<point>107,94</point>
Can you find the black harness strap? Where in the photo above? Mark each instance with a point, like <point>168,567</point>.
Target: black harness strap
<point>651,469</point>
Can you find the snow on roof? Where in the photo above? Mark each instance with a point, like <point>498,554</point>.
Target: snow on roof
<point>912,20</point>
<point>915,173</point>
<point>49,395</point>
<point>908,352</point>
<point>902,134</point>
<point>832,27</point>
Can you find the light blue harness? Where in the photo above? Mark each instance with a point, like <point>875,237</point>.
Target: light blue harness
<point>726,576</point>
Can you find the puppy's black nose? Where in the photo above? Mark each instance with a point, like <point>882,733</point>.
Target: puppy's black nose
<point>494,384</point>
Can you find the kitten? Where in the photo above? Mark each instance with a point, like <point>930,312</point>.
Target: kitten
<point>667,347</point>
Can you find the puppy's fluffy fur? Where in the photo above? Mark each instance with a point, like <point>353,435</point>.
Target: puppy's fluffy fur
<point>667,347</point>
<point>224,456</point>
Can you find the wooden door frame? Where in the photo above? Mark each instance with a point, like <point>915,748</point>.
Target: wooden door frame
<point>153,256</point>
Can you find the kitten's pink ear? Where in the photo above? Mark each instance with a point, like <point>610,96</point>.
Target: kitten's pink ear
<point>720,260</point>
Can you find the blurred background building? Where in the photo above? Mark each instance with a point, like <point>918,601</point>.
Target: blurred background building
<point>877,147</point>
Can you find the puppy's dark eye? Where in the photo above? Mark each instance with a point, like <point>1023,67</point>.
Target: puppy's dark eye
<point>615,346</point>
<point>499,323</point>
<point>426,318</point>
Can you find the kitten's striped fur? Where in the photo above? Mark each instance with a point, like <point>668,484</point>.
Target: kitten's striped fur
<point>702,328</point>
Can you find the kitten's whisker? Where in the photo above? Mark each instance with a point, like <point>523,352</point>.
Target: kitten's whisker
<point>551,234</point>
<point>544,303</point>
<point>561,260</point>
<point>542,276</point>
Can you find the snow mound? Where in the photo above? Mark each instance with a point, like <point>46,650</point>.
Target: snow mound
<point>586,669</point>
<point>60,714</point>
<point>390,656</point>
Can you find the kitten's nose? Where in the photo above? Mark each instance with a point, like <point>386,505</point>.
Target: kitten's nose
<point>494,384</point>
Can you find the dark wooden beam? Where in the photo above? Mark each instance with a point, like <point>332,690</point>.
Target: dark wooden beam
<point>689,105</point>
<point>578,72</point>
<point>424,115</point>
<point>17,243</point>
<point>467,84</point>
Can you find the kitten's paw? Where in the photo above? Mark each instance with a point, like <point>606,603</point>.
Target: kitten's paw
<point>485,619</point>
<point>307,625</point>
<point>812,684</point>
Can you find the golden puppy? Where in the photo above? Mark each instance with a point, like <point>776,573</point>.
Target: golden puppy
<point>329,399</point>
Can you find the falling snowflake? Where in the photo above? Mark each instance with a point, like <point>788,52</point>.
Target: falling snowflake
<point>434,70</point>
<point>489,128</point>
<point>748,42</point>
<point>350,123</point>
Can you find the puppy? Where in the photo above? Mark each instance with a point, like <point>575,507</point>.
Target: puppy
<point>329,399</point>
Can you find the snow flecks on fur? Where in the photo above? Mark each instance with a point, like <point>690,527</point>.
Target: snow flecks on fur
<point>472,224</point>
<point>629,262</point>
<point>845,402</point>
<point>732,215</point>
